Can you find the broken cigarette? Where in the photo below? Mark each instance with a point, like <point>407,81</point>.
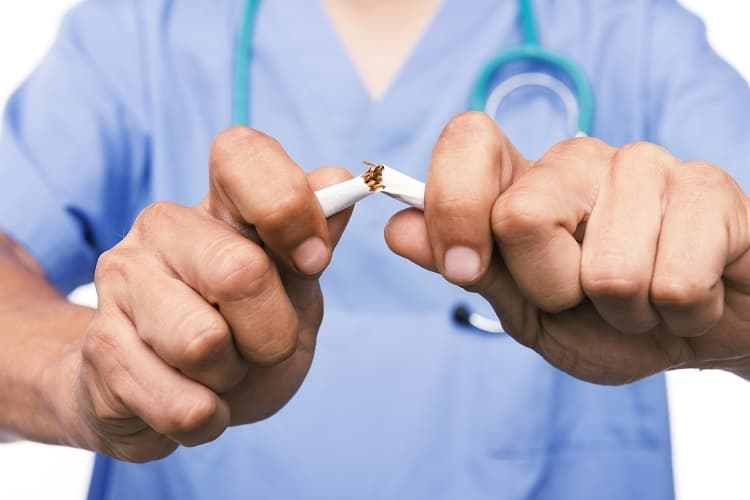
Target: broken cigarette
<point>378,177</point>
<point>403,188</point>
<point>343,195</point>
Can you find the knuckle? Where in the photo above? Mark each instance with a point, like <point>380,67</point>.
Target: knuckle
<point>278,346</point>
<point>112,267</point>
<point>186,419</point>
<point>100,343</point>
<point>575,149</point>
<point>678,292</point>
<point>101,351</point>
<point>154,216</point>
<point>642,149</point>
<point>203,337</point>
<point>643,154</point>
<point>287,208</point>
<point>612,282</point>
<point>514,219</point>
<point>471,124</point>
<point>708,176</point>
<point>229,142</point>
<point>118,272</point>
<point>237,271</point>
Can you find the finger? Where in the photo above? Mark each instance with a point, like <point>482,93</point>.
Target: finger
<point>619,248</point>
<point>324,177</point>
<point>179,325</point>
<point>254,182</point>
<point>406,235</point>
<point>131,380</point>
<point>535,220</point>
<point>579,342</point>
<point>304,291</point>
<point>694,247</point>
<point>229,271</point>
<point>471,164</point>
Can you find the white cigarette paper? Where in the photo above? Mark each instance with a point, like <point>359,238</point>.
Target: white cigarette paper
<point>343,195</point>
<point>403,188</point>
<point>391,182</point>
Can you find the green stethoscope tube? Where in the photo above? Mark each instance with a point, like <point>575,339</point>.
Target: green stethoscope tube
<point>530,49</point>
<point>243,56</point>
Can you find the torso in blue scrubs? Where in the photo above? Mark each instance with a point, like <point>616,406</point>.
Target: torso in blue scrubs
<point>400,403</point>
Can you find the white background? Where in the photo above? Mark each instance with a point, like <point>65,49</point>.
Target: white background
<point>710,410</point>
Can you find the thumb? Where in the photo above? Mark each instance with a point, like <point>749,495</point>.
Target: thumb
<point>304,291</point>
<point>406,236</point>
<point>324,177</point>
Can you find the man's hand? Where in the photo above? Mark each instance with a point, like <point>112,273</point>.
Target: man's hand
<point>613,264</point>
<point>207,315</point>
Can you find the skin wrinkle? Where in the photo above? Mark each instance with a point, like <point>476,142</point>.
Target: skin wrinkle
<point>269,303</point>
<point>252,266</point>
<point>209,341</point>
<point>102,401</point>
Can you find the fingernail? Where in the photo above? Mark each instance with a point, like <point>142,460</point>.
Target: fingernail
<point>462,264</point>
<point>311,256</point>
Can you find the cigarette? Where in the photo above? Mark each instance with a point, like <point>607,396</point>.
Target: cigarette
<point>403,188</point>
<point>343,195</point>
<point>378,178</point>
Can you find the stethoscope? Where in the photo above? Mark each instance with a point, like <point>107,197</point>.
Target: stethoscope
<point>576,95</point>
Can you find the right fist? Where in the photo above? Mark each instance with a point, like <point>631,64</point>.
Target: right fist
<point>207,315</point>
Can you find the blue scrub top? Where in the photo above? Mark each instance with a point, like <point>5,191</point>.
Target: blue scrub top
<point>399,402</point>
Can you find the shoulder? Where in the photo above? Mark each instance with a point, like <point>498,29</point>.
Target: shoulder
<point>106,38</point>
<point>597,20</point>
<point>618,43</point>
<point>114,27</point>
<point>127,43</point>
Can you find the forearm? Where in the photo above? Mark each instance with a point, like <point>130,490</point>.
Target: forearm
<point>39,334</point>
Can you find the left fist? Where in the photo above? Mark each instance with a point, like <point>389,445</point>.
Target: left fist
<point>613,264</point>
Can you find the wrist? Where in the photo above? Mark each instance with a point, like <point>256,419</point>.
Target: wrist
<point>38,374</point>
<point>57,387</point>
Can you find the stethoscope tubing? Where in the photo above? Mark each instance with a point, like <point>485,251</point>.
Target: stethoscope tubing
<point>481,97</point>
<point>529,50</point>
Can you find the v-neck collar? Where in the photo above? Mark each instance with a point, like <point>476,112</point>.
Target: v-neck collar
<point>424,31</point>
<point>324,94</point>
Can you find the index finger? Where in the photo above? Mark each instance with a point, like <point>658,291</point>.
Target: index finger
<point>255,183</point>
<point>472,163</point>
<point>536,220</point>
<point>228,271</point>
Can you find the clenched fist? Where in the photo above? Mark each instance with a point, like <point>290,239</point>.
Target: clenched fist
<point>207,315</point>
<point>613,264</point>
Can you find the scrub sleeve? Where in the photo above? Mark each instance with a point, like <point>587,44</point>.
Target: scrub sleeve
<point>73,147</point>
<point>698,105</point>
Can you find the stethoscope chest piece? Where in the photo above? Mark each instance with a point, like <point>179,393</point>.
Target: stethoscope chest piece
<point>464,316</point>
